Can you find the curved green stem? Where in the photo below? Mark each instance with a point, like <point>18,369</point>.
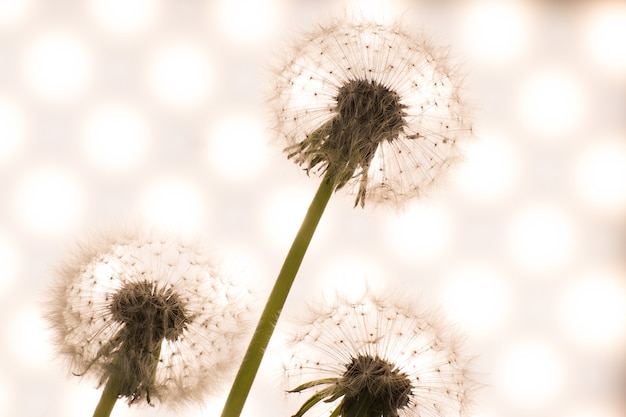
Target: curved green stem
<point>252,359</point>
<point>108,398</point>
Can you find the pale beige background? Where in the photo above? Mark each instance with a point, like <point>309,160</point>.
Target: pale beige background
<point>121,109</point>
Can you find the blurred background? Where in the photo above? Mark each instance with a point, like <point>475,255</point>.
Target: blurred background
<point>153,109</point>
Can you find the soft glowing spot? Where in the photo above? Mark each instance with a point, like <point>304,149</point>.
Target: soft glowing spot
<point>602,409</point>
<point>237,259</point>
<point>12,129</point>
<point>351,275</point>
<point>246,20</point>
<point>9,263</point>
<point>176,204</point>
<point>49,201</point>
<point>605,35</point>
<point>115,137</point>
<point>237,147</point>
<point>123,17</point>
<point>420,234</point>
<point>490,169</point>
<point>13,11</point>
<point>551,102</point>
<point>180,74</point>
<point>541,237</point>
<point>57,65</point>
<point>476,297</point>
<point>80,399</point>
<point>593,310</point>
<point>530,373</point>
<point>283,214</point>
<point>28,338</point>
<point>6,396</point>
<point>496,31</point>
<point>600,175</point>
<point>374,10</point>
<point>213,408</point>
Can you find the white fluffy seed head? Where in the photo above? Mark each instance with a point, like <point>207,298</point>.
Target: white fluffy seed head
<point>397,346</point>
<point>152,311</point>
<point>406,137</point>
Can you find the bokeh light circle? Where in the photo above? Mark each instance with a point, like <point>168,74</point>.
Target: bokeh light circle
<point>605,35</point>
<point>282,215</point>
<point>420,234</point>
<point>13,12</point>
<point>599,174</point>
<point>530,373</point>
<point>174,203</point>
<point>552,103</point>
<point>13,128</point>
<point>237,147</point>
<point>246,21</point>
<point>592,310</point>
<point>541,237</point>
<point>28,338</point>
<point>180,74</point>
<point>49,200</point>
<point>490,170</point>
<point>496,32</point>
<point>123,17</point>
<point>57,65</point>
<point>476,296</point>
<point>10,261</point>
<point>350,274</point>
<point>115,136</point>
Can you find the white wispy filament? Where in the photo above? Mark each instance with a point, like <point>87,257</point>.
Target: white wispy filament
<point>378,358</point>
<point>378,108</point>
<point>152,312</point>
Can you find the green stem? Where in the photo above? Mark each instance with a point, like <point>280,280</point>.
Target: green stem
<point>108,398</point>
<point>252,359</point>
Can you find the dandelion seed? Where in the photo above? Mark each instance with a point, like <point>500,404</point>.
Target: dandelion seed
<point>376,108</point>
<point>151,313</point>
<point>376,358</point>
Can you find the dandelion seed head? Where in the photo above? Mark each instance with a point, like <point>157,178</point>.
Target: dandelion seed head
<point>152,311</point>
<point>386,389</point>
<point>138,305</point>
<point>375,357</point>
<point>376,107</point>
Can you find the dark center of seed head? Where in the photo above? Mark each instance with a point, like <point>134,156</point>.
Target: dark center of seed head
<point>366,114</point>
<point>372,111</point>
<point>144,308</point>
<point>373,384</point>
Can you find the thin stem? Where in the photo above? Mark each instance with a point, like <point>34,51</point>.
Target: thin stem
<point>108,398</point>
<point>252,359</point>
